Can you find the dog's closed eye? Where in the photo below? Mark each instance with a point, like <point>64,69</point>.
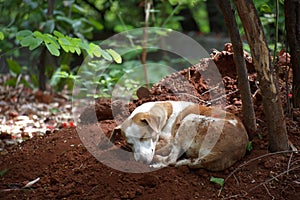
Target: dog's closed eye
<point>145,122</point>
<point>143,139</point>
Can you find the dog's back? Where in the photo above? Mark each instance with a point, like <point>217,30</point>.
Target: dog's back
<point>210,137</point>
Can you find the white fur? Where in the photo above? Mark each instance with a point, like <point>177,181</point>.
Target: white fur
<point>144,150</point>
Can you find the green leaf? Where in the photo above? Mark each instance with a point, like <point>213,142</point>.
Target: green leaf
<point>34,79</point>
<point>85,46</point>
<point>78,50</point>
<point>26,41</point>
<point>2,172</point>
<point>11,82</point>
<point>219,181</point>
<point>58,34</point>
<point>65,19</point>
<point>1,36</point>
<point>117,58</point>
<point>265,8</point>
<point>31,42</point>
<point>55,77</point>
<point>52,49</point>
<point>94,50</point>
<point>38,34</point>
<point>64,43</point>
<point>35,43</point>
<point>77,8</point>
<point>105,55</point>
<point>175,2</point>
<point>49,26</point>
<point>95,23</point>
<point>51,39</point>
<point>14,66</point>
<point>249,146</point>
<point>47,38</point>
<point>22,34</point>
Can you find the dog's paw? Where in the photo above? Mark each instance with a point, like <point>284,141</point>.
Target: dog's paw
<point>183,162</point>
<point>158,165</point>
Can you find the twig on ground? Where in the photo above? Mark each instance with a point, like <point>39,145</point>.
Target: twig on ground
<point>237,181</point>
<point>259,157</point>
<point>255,93</point>
<point>275,177</point>
<point>289,163</point>
<point>296,161</point>
<point>236,196</point>
<point>268,191</point>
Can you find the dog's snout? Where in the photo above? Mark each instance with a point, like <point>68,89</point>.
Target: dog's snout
<point>146,159</point>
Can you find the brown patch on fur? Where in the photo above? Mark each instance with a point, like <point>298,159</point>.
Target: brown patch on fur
<point>202,110</point>
<point>193,109</point>
<point>139,118</point>
<point>169,108</point>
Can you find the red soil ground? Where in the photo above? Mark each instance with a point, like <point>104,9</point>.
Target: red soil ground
<point>68,171</point>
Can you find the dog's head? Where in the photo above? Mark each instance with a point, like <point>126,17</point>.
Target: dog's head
<point>142,129</point>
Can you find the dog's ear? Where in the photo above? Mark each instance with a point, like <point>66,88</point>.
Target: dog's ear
<point>112,137</point>
<point>156,118</point>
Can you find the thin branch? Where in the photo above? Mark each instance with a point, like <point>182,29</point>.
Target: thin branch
<point>95,8</point>
<point>254,159</point>
<point>275,177</point>
<point>171,15</point>
<point>289,163</point>
<point>276,31</point>
<point>223,96</point>
<point>145,39</point>
<point>268,191</point>
<point>259,157</point>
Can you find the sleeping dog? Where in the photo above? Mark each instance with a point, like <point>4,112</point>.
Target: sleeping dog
<point>183,133</point>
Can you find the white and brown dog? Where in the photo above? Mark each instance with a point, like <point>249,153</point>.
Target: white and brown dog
<point>183,133</point>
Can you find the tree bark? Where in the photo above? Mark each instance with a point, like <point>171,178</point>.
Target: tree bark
<point>41,69</point>
<point>239,61</point>
<point>42,62</point>
<point>278,140</point>
<point>292,26</point>
<point>215,18</point>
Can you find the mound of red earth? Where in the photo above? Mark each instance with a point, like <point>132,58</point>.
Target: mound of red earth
<point>66,170</point>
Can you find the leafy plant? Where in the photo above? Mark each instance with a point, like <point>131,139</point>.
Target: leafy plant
<point>1,35</point>
<point>218,181</point>
<point>2,172</point>
<point>249,146</point>
<point>58,41</point>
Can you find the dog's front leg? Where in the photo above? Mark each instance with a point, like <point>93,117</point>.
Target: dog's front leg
<point>183,139</point>
<point>189,162</point>
<point>163,161</point>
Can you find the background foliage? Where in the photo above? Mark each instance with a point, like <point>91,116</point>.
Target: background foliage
<point>70,30</point>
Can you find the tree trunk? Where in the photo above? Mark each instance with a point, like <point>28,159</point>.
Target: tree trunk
<point>278,140</point>
<point>292,26</point>
<point>215,18</point>
<point>41,69</point>
<point>188,23</point>
<point>42,62</point>
<point>239,61</point>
